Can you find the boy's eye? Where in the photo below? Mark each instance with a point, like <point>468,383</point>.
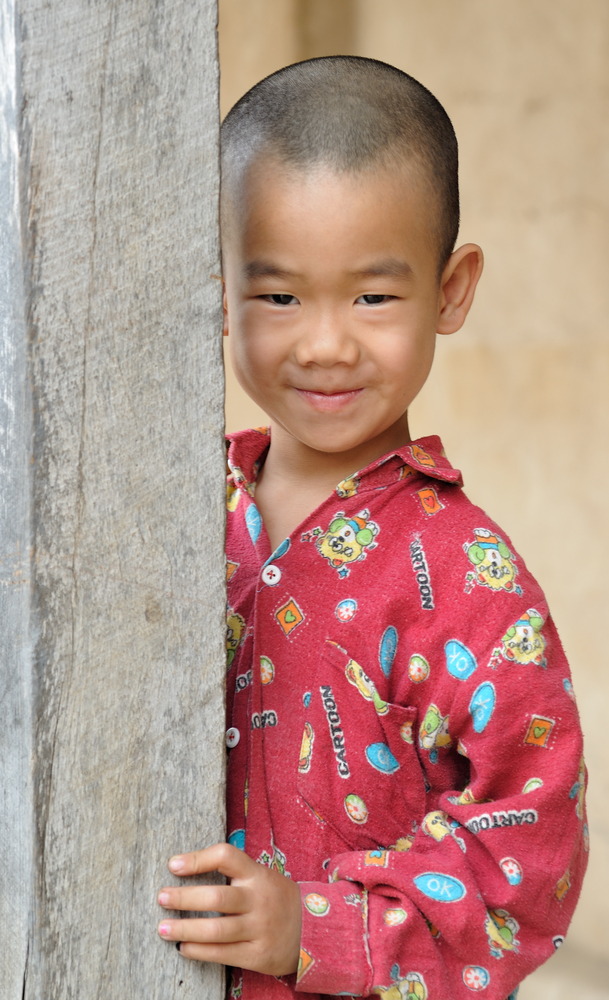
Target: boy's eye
<point>373,300</point>
<point>280,299</point>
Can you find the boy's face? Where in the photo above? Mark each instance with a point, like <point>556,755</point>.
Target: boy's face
<point>332,303</point>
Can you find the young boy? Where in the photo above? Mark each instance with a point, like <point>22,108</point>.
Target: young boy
<point>405,776</point>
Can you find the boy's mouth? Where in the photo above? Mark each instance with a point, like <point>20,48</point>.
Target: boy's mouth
<point>329,401</point>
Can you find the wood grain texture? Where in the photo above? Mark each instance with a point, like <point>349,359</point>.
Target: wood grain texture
<point>121,696</point>
<point>16,805</point>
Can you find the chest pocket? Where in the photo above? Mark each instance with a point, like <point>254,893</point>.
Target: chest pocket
<point>359,771</point>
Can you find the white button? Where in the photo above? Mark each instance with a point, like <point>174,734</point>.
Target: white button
<point>232,737</point>
<point>271,575</point>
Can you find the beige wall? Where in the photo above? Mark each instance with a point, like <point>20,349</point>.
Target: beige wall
<point>520,395</point>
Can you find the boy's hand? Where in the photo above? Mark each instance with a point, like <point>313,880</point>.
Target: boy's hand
<point>260,924</point>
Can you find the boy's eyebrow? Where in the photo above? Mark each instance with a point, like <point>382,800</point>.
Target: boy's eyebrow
<point>264,269</point>
<point>388,267</point>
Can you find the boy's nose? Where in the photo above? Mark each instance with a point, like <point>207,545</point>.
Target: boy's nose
<point>327,340</point>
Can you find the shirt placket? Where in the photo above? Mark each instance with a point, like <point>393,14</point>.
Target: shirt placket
<point>259,834</point>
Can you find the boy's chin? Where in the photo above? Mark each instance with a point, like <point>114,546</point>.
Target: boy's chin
<point>361,449</point>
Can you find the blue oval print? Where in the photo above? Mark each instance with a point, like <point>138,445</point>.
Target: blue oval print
<point>388,649</point>
<point>381,758</point>
<point>482,706</point>
<point>253,521</point>
<point>237,839</point>
<point>460,662</point>
<point>443,888</point>
<point>346,610</point>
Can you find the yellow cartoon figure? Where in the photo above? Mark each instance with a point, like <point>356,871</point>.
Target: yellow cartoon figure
<point>348,488</point>
<point>306,748</point>
<point>501,929</point>
<point>465,798</point>
<point>437,825</point>
<point>433,733</point>
<point>495,565</point>
<point>365,686</point>
<point>404,843</point>
<point>232,497</point>
<point>233,494</point>
<point>235,633</point>
<point>523,642</point>
<point>346,540</point>
<point>409,987</point>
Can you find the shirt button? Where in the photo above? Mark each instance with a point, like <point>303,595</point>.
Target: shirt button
<point>232,737</point>
<point>271,575</point>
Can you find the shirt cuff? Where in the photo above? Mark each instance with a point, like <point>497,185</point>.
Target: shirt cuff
<point>333,940</point>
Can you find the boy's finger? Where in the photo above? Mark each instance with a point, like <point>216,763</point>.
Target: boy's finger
<point>224,954</point>
<point>240,954</point>
<point>224,858</point>
<point>204,930</point>
<point>218,898</point>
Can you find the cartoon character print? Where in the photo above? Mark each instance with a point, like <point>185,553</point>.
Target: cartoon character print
<point>409,987</point>
<point>275,860</point>
<point>306,748</point>
<point>232,497</point>
<point>523,642</point>
<point>501,930</point>
<point>236,479</point>
<point>405,843</point>
<point>434,733</point>
<point>465,798</point>
<point>578,792</point>
<point>495,565</point>
<point>346,540</point>
<point>356,676</point>
<point>437,825</point>
<point>348,488</point>
<point>235,634</point>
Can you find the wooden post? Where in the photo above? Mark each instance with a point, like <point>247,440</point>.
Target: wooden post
<point>111,508</point>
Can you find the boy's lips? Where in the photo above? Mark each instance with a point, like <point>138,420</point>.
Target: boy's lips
<point>329,401</point>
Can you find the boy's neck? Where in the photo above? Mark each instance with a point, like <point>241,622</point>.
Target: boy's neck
<point>295,479</point>
<point>294,462</point>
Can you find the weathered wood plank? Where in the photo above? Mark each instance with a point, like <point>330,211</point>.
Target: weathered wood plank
<point>16,869</point>
<point>118,153</point>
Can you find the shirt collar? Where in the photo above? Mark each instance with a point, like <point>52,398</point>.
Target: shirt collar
<point>247,449</point>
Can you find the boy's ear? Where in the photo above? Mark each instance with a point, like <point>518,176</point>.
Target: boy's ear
<point>457,287</point>
<point>224,312</point>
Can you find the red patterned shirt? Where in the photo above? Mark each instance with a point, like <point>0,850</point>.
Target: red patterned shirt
<point>404,742</point>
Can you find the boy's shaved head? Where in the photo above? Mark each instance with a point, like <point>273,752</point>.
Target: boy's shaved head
<point>348,114</point>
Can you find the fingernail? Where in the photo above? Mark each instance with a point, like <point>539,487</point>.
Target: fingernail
<point>176,864</point>
<point>163,898</point>
<point>164,930</point>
